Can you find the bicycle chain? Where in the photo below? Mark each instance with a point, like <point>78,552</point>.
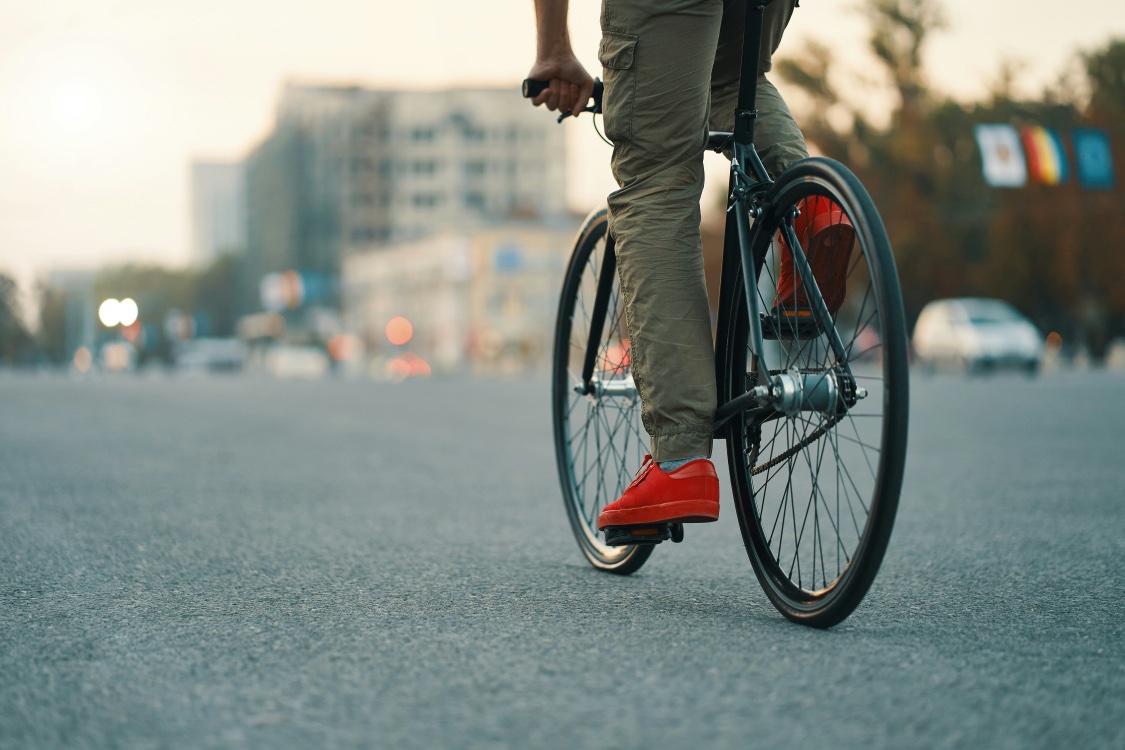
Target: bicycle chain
<point>808,440</point>
<point>815,435</point>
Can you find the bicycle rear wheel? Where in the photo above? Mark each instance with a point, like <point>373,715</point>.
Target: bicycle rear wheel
<point>600,441</point>
<point>816,493</point>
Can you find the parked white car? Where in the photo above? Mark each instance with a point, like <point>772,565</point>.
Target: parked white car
<point>976,334</point>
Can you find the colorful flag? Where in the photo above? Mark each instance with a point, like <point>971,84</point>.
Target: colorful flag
<point>1046,156</point>
<point>1093,158</point>
<point>1001,155</point>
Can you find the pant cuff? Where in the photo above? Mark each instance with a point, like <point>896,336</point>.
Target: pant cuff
<point>681,445</point>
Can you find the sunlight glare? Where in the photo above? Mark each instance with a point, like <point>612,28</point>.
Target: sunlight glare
<point>76,107</point>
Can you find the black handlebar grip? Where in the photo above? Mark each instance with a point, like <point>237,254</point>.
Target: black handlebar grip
<point>532,89</point>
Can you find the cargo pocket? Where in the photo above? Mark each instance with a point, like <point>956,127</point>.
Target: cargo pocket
<point>616,54</point>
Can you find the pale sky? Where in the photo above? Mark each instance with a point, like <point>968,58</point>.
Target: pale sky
<point>103,103</point>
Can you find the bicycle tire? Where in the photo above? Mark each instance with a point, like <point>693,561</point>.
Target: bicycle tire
<point>600,441</point>
<point>788,472</point>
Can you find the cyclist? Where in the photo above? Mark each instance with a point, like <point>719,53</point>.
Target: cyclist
<point>671,70</point>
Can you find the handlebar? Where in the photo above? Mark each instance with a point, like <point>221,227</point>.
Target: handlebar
<point>533,88</point>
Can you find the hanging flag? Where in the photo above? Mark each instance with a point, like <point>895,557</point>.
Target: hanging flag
<point>1001,155</point>
<point>1093,158</point>
<point>1046,156</point>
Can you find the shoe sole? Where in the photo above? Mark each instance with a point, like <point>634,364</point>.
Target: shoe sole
<point>680,511</point>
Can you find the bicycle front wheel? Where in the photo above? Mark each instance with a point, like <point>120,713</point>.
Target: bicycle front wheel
<point>816,491</point>
<point>600,441</point>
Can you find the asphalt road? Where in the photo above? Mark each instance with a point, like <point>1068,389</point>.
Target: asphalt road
<point>233,562</point>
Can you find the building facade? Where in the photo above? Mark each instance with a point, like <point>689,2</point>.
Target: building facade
<point>349,169</point>
<point>218,210</point>
<point>483,298</point>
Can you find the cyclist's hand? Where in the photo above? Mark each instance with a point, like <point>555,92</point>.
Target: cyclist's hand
<point>571,86</point>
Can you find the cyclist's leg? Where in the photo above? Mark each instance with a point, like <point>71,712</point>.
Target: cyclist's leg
<point>776,136</point>
<point>780,144</point>
<point>658,56</point>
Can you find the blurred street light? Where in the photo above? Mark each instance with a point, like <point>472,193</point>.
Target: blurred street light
<point>113,312</point>
<point>127,311</point>
<point>399,331</point>
<point>109,313</point>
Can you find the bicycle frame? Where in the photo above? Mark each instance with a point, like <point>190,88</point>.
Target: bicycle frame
<point>749,190</point>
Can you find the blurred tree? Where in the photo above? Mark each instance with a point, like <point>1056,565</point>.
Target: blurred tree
<point>52,324</point>
<point>15,341</point>
<point>1045,248</point>
<point>216,294</point>
<point>1105,72</point>
<point>899,29</point>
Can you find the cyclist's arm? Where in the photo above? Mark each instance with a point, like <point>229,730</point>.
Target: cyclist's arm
<point>571,86</point>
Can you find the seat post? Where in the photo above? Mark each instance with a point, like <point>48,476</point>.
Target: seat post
<point>746,113</point>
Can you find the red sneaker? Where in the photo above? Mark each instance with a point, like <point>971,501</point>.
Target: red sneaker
<point>827,237</point>
<point>689,494</point>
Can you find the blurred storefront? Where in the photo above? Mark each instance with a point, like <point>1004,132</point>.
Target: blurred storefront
<point>480,299</point>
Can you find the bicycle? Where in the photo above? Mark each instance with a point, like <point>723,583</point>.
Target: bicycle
<point>815,424</point>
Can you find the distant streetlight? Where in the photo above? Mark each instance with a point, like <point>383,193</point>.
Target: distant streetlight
<point>113,312</point>
<point>127,311</point>
<point>399,331</point>
<point>109,313</point>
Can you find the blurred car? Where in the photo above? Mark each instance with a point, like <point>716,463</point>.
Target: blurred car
<point>210,355</point>
<point>976,334</point>
<point>297,362</point>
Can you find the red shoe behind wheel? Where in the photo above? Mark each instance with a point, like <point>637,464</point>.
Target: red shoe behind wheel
<point>827,237</point>
<point>689,494</point>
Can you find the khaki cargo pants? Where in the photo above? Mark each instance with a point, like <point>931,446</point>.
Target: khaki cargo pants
<point>671,71</point>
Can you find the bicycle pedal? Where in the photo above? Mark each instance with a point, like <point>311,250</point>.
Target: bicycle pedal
<point>789,325</point>
<point>621,536</point>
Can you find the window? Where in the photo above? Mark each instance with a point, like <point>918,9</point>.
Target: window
<point>422,134</point>
<point>475,168</point>
<point>426,200</point>
<point>475,199</point>
<point>361,164</point>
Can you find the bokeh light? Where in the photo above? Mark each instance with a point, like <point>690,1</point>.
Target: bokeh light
<point>116,356</point>
<point>127,312</point>
<point>132,332</point>
<point>1054,340</point>
<point>399,331</point>
<point>408,365</point>
<point>343,347</point>
<point>109,313</point>
<point>83,360</point>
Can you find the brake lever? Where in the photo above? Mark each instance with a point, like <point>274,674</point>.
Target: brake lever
<point>565,115</point>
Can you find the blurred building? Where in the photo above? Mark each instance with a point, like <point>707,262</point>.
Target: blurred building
<point>349,168</point>
<point>483,298</point>
<point>75,324</point>
<point>218,210</point>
